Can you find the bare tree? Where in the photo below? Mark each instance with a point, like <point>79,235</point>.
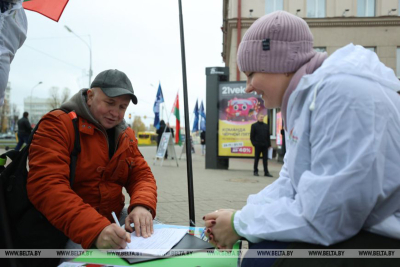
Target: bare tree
<point>14,116</point>
<point>65,95</point>
<point>55,100</point>
<point>151,128</point>
<point>138,125</point>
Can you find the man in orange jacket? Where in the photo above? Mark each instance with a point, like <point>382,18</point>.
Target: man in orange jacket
<point>109,160</point>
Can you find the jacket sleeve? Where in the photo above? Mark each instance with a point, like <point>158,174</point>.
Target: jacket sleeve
<point>335,196</point>
<point>280,188</point>
<point>252,133</point>
<point>141,185</point>
<point>48,183</point>
<point>268,136</point>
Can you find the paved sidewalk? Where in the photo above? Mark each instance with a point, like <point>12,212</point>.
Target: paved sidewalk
<point>213,189</point>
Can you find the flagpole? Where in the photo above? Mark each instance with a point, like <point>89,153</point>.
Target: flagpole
<point>192,220</point>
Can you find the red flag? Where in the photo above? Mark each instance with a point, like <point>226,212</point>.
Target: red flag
<point>175,111</point>
<point>49,8</point>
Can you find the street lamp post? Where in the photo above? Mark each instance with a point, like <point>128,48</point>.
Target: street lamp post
<point>39,83</point>
<point>90,51</point>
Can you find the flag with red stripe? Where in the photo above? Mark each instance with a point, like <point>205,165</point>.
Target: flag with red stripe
<point>49,8</point>
<point>175,111</point>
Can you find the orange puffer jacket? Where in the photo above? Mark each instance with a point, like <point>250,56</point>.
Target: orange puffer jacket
<point>83,211</point>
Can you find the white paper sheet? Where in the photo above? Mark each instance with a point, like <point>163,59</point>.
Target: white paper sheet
<point>270,150</point>
<point>158,243</point>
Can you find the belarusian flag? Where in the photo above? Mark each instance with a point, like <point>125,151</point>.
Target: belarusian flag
<point>49,8</point>
<point>175,111</point>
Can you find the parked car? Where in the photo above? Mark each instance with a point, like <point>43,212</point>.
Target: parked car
<point>7,136</point>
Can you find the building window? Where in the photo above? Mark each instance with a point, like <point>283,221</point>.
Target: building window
<point>320,49</point>
<point>316,8</point>
<point>366,8</point>
<point>398,62</point>
<point>273,5</point>
<point>370,48</point>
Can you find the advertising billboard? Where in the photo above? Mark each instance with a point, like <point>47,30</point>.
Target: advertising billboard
<point>237,112</point>
<point>278,129</point>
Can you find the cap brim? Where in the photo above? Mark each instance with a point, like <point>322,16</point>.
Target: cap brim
<point>114,92</point>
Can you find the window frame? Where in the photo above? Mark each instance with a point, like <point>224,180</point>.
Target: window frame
<point>275,5</point>
<point>316,9</point>
<point>365,13</point>
<point>319,48</point>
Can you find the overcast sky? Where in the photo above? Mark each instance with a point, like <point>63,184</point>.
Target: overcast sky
<point>140,38</point>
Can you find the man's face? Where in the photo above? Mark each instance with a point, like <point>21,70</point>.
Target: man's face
<point>109,112</point>
<point>260,117</point>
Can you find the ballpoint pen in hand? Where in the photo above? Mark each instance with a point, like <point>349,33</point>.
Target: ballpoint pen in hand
<point>115,218</point>
<point>117,222</point>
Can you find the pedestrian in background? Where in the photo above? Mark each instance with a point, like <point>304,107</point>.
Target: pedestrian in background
<point>169,130</point>
<point>160,132</point>
<point>259,137</point>
<point>203,142</point>
<point>24,130</point>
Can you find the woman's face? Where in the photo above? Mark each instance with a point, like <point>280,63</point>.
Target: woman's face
<point>271,86</point>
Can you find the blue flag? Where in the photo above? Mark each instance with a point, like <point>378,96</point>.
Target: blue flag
<point>156,107</point>
<point>196,118</point>
<point>203,117</point>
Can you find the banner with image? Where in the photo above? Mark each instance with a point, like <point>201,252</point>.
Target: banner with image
<point>278,128</point>
<point>237,112</point>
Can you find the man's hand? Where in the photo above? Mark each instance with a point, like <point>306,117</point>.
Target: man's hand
<point>143,221</point>
<point>112,237</point>
<point>219,228</point>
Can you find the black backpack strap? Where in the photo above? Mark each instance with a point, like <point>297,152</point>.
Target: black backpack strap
<point>77,147</point>
<point>77,143</point>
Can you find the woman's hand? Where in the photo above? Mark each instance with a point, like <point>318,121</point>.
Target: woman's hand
<point>219,228</point>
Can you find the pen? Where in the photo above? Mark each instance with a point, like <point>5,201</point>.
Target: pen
<point>117,222</point>
<point>203,235</point>
<point>115,218</point>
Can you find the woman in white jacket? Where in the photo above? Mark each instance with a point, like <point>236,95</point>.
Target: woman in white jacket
<point>341,176</point>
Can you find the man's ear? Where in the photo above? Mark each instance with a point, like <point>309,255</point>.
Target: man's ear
<point>90,95</point>
<point>90,92</point>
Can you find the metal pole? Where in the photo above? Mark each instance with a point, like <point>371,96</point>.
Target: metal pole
<point>90,52</point>
<point>187,130</point>
<point>90,67</point>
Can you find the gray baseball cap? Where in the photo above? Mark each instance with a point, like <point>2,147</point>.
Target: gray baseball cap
<point>114,83</point>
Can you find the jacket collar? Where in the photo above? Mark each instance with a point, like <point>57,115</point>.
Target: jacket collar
<point>307,68</point>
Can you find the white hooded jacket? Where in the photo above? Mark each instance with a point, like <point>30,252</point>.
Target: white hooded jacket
<point>341,172</point>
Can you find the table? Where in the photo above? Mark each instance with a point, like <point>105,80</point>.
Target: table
<point>203,259</point>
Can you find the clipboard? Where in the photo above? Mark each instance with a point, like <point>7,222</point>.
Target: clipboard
<point>188,242</point>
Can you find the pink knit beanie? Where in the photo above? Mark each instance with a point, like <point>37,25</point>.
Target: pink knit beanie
<point>276,43</point>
